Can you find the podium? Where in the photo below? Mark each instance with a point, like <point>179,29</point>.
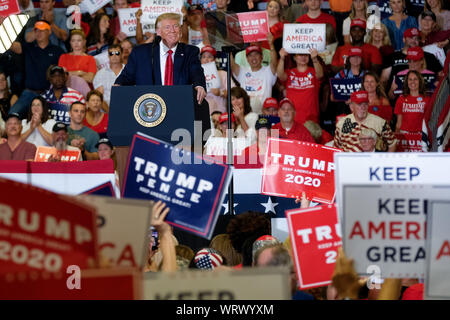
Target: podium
<point>156,111</point>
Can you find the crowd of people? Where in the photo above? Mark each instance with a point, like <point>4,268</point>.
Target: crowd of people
<point>54,91</point>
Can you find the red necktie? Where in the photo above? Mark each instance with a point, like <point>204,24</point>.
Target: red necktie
<point>168,76</point>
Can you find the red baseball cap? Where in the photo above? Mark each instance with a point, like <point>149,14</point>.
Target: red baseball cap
<point>411,32</point>
<point>358,23</point>
<point>209,49</point>
<point>224,117</point>
<point>360,96</point>
<point>355,52</point>
<point>271,103</point>
<point>283,101</point>
<point>414,54</point>
<point>251,49</point>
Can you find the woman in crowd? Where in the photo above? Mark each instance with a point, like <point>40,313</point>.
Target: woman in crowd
<point>77,62</point>
<point>430,31</point>
<point>379,37</point>
<point>37,127</point>
<point>442,15</point>
<point>274,12</point>
<point>359,11</point>
<point>398,22</point>
<point>410,107</point>
<point>95,118</point>
<point>100,37</point>
<point>6,98</point>
<point>353,65</point>
<point>245,117</point>
<point>378,101</point>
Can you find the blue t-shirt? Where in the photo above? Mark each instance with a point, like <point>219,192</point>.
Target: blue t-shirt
<point>396,34</point>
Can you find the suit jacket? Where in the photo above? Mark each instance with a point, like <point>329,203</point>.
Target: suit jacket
<point>143,67</point>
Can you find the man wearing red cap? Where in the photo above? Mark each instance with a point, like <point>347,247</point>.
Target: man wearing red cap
<point>257,80</point>
<point>348,128</point>
<point>371,55</point>
<point>270,107</point>
<point>288,128</point>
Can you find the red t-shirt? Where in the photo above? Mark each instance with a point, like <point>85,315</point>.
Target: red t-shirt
<point>371,55</point>
<point>383,111</point>
<point>297,132</point>
<point>74,63</point>
<point>102,127</point>
<point>322,18</point>
<point>302,88</point>
<point>412,109</point>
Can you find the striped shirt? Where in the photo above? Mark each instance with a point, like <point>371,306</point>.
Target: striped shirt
<point>68,96</point>
<point>348,129</point>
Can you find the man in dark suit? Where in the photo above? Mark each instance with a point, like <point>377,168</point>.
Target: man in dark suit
<point>149,64</point>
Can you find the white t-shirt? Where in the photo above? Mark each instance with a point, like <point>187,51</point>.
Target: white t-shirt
<point>250,135</point>
<point>35,137</point>
<point>258,85</point>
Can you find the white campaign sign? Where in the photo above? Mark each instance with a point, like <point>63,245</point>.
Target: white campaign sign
<point>439,53</point>
<point>127,19</point>
<point>301,37</point>
<point>211,75</point>
<point>92,6</point>
<point>437,280</point>
<point>102,59</point>
<point>151,9</point>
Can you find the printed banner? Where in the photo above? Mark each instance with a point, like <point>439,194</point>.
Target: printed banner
<point>47,232</point>
<point>439,53</point>
<point>341,89</point>
<point>128,23</point>
<point>192,188</point>
<point>151,9</point>
<point>44,153</point>
<point>247,27</point>
<point>301,37</point>
<point>252,284</point>
<point>8,7</point>
<point>292,167</point>
<point>92,6</point>
<point>316,237</point>
<point>59,112</point>
<point>211,76</point>
<point>437,281</point>
<point>409,142</point>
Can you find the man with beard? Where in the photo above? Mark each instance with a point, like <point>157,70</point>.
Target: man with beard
<point>60,137</point>
<point>15,148</point>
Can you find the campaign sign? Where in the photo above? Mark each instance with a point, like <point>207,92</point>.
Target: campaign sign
<point>211,75</point>
<point>292,167</point>
<point>43,231</point>
<point>192,188</point>
<point>341,89</point>
<point>8,7</point>
<point>247,27</point>
<point>92,6</point>
<point>44,153</point>
<point>128,23</point>
<point>316,237</point>
<point>151,9</point>
<point>429,79</point>
<point>409,142</point>
<point>437,280</point>
<point>439,53</point>
<point>105,189</point>
<point>102,59</point>
<point>301,37</point>
<point>59,112</point>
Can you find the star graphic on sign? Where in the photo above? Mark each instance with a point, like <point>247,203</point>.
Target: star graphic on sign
<point>225,205</point>
<point>269,206</point>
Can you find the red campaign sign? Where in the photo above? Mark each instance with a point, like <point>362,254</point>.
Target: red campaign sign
<point>247,27</point>
<point>409,142</point>
<point>8,7</point>
<point>292,167</point>
<point>316,237</point>
<point>44,231</point>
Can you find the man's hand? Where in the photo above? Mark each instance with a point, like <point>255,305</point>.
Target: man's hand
<point>201,94</point>
<point>48,15</point>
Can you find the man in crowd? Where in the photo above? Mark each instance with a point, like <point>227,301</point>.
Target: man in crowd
<point>15,148</point>
<point>368,140</point>
<point>60,137</point>
<point>315,15</point>
<point>348,128</point>
<point>81,136</point>
<point>288,128</point>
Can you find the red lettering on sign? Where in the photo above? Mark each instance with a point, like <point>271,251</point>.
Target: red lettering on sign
<point>444,251</point>
<point>357,230</point>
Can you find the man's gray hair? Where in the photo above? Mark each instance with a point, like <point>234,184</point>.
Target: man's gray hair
<point>167,16</point>
<point>280,255</point>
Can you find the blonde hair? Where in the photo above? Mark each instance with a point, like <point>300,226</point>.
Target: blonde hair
<point>386,39</point>
<point>370,133</point>
<point>353,12</point>
<point>166,16</point>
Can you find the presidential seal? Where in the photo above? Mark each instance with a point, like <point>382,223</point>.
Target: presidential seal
<point>149,110</point>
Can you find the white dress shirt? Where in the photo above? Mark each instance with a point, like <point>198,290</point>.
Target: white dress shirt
<point>163,57</point>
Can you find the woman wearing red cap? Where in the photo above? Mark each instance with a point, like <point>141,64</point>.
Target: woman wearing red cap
<point>353,65</point>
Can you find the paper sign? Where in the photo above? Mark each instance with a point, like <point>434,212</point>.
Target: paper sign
<point>151,9</point>
<point>211,76</point>
<point>193,189</point>
<point>247,27</point>
<point>92,6</point>
<point>218,146</point>
<point>45,232</point>
<point>439,53</point>
<point>341,89</point>
<point>292,167</point>
<point>315,236</point>
<point>437,281</point>
<point>102,59</point>
<point>122,230</point>
<point>409,142</point>
<point>127,19</point>
<point>252,284</point>
<point>59,112</point>
<point>301,37</point>
<point>429,79</point>
<point>44,153</point>
<point>8,7</point>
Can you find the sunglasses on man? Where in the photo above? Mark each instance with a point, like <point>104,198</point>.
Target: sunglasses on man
<point>114,53</point>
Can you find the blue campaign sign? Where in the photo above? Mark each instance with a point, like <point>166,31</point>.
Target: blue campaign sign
<point>429,79</point>
<point>59,112</point>
<point>191,186</point>
<point>341,89</point>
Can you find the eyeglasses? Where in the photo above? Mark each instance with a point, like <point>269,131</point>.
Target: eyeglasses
<point>114,53</point>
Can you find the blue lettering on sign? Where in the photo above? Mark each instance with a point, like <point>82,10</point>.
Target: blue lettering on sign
<point>393,174</point>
